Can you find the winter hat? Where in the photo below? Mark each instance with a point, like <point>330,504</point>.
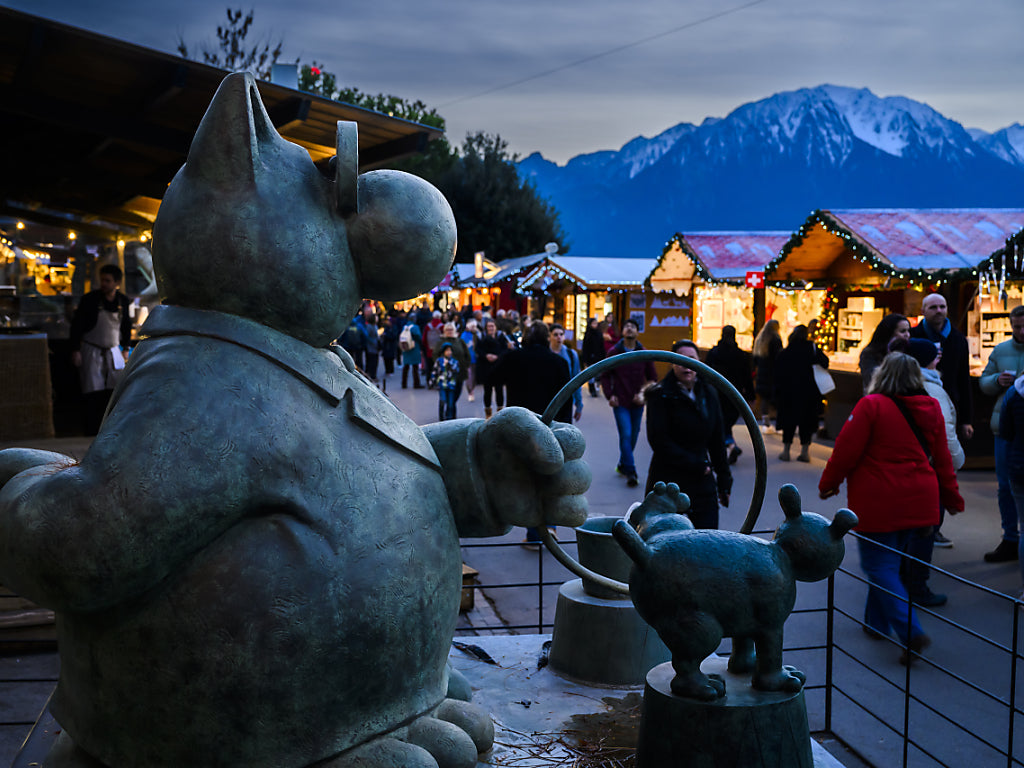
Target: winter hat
<point>923,351</point>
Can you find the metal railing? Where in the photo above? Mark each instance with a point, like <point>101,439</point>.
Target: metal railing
<point>954,706</point>
<point>943,709</point>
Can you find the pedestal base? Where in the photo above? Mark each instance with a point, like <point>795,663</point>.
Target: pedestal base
<point>602,642</point>
<point>744,729</point>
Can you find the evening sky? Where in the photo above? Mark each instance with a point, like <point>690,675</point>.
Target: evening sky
<point>565,77</point>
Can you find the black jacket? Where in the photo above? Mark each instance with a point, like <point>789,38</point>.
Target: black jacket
<point>533,376</point>
<point>955,367</point>
<point>686,438</point>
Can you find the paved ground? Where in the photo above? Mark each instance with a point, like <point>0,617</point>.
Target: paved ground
<point>973,533</point>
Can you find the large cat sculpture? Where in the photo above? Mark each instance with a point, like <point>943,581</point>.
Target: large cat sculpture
<point>257,561</point>
<point>697,586</point>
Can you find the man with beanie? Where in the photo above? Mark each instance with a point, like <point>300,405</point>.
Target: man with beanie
<point>922,542</point>
<point>1004,365</point>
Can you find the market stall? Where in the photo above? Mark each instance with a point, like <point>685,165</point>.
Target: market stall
<point>870,262</point>
<point>700,284</point>
<point>999,288</point>
<point>571,289</point>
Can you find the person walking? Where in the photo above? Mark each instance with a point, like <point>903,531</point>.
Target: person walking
<point>390,329</point>
<point>101,332</point>
<point>493,345</point>
<point>1005,364</point>
<point>767,346</point>
<point>734,364</point>
<point>450,336</point>
<point>410,342</point>
<point>1011,429</point>
<point>892,326</point>
<point>687,439</point>
<point>557,345</point>
<point>592,350</point>
<point>922,543</point>
<point>796,395</point>
<point>469,337</point>
<point>445,378</point>
<point>893,455</point>
<point>533,375</point>
<point>367,322</point>
<point>623,387</point>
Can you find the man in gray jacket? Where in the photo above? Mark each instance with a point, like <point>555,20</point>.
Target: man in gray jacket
<point>1004,365</point>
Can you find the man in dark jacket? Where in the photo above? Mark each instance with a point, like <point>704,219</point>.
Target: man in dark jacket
<point>734,364</point>
<point>684,428</point>
<point>955,364</point>
<point>532,376</point>
<point>623,386</point>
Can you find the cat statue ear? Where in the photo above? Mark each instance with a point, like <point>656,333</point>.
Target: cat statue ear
<point>401,230</point>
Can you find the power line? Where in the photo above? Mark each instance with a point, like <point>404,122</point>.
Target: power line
<point>609,52</point>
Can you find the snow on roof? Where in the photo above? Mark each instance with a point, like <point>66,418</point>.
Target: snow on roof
<point>730,255</point>
<point>932,239</point>
<point>510,267</point>
<point>605,271</point>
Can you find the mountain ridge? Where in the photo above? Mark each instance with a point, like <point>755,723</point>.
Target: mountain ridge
<point>768,163</point>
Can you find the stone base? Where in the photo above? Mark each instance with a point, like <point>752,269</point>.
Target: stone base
<point>600,641</point>
<point>744,729</point>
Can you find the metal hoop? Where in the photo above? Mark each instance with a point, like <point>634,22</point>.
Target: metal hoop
<point>720,383</point>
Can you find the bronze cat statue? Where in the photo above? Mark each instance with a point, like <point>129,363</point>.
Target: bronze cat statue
<point>257,561</point>
<point>697,586</point>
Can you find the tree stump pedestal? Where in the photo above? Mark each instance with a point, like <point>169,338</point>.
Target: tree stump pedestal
<point>746,728</point>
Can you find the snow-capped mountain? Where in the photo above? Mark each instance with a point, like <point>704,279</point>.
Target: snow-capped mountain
<point>769,163</point>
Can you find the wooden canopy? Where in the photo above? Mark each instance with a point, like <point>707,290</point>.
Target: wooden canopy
<point>95,128</point>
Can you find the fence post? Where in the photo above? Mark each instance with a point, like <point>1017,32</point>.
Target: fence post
<point>1013,682</point>
<point>540,590</point>
<point>829,640</point>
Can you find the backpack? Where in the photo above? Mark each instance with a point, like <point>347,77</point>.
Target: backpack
<point>405,339</point>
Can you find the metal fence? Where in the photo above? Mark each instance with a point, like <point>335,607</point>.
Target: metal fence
<point>955,705</point>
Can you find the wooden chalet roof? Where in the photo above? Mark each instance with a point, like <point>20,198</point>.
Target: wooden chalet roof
<point>868,245</point>
<point>95,128</point>
<point>715,256</point>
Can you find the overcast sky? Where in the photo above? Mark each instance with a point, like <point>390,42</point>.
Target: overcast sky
<point>564,77</point>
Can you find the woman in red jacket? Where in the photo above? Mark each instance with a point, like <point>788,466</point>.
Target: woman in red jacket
<point>892,486</point>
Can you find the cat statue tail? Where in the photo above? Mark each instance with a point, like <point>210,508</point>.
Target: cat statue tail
<point>632,544</point>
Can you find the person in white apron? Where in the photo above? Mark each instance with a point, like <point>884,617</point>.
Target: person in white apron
<point>100,334</point>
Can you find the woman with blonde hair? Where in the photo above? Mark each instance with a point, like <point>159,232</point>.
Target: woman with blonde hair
<point>893,454</point>
<point>767,346</point>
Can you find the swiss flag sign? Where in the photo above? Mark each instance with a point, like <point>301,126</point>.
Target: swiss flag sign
<point>755,280</point>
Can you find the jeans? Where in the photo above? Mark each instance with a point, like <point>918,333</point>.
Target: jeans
<point>883,611</point>
<point>1007,509</point>
<point>627,422</point>
<point>446,404</point>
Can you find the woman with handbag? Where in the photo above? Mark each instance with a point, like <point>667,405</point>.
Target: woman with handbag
<point>893,454</point>
<point>797,396</point>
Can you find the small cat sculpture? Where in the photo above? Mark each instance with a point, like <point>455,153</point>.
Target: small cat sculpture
<point>697,586</point>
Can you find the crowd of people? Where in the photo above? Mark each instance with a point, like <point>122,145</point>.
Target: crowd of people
<point>898,452</point>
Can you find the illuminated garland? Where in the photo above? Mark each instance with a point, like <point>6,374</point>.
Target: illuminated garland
<point>828,321</point>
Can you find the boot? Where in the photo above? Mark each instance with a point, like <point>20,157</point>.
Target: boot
<point>785,451</point>
<point>488,411</point>
<point>805,454</point>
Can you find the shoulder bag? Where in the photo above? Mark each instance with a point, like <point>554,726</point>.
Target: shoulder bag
<point>916,430</point>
